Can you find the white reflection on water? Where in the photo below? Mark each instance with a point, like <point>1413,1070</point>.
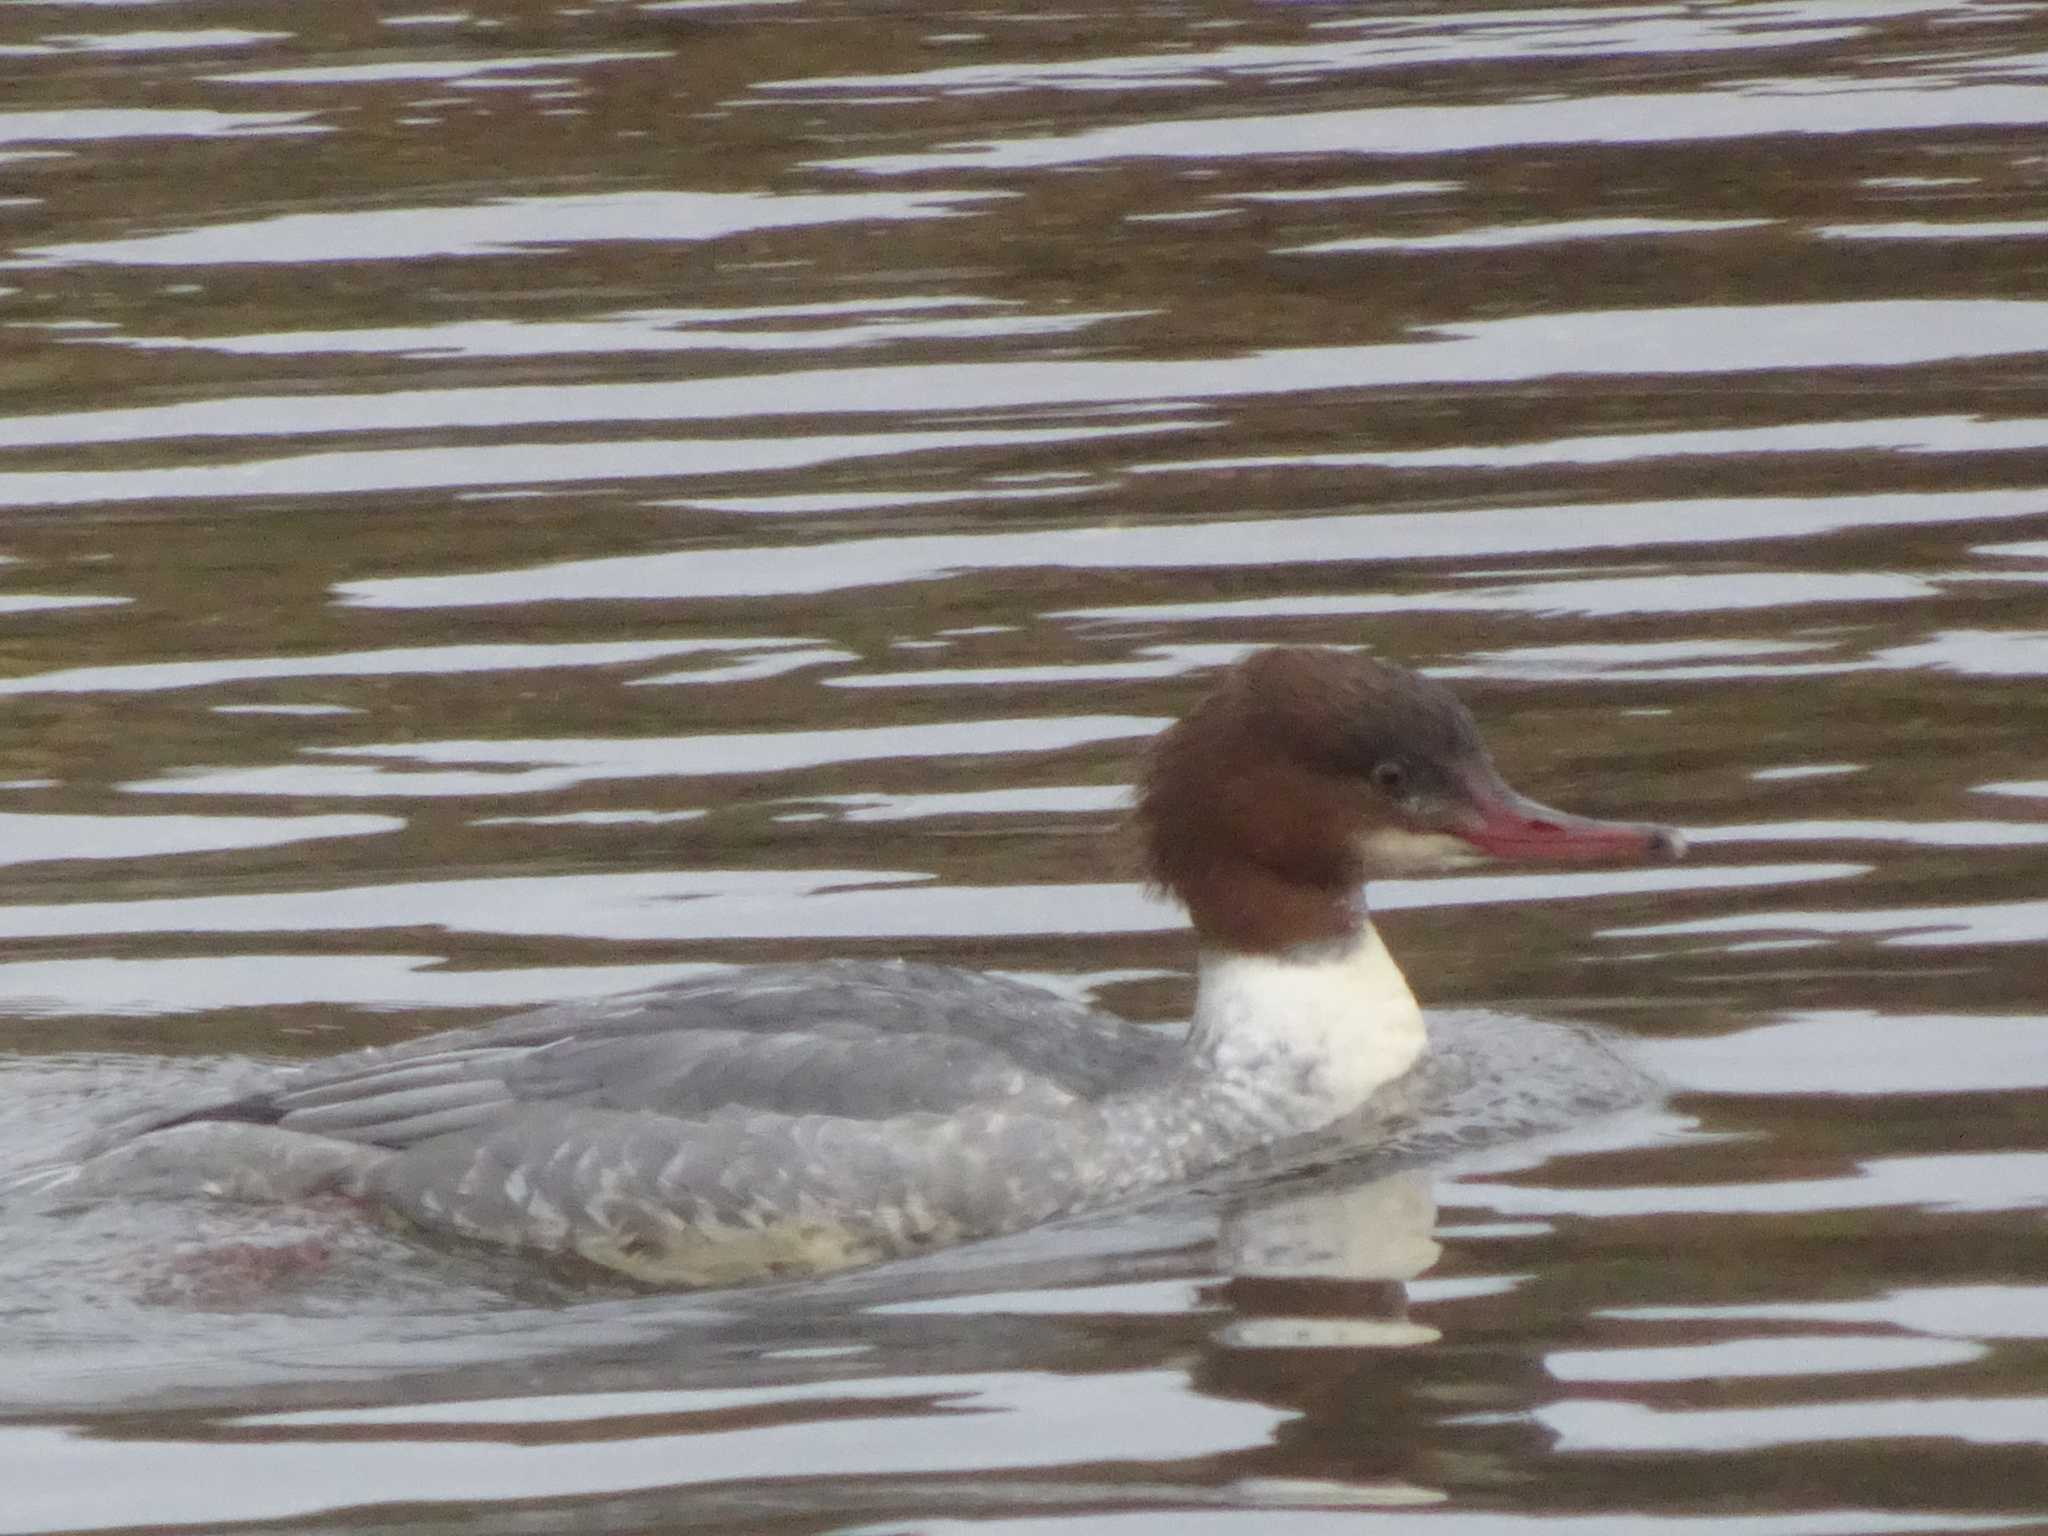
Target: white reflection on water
<point>1961,1181</point>
<point>1377,538</point>
<point>804,503</point>
<point>2035,789</point>
<point>592,819</point>
<point>1674,660</point>
<point>646,330</point>
<point>86,124</point>
<point>427,660</point>
<point>1969,1311</point>
<point>28,839</point>
<point>307,711</point>
<point>1860,1051</point>
<point>1595,1425</point>
<point>1598,597</point>
<point>751,669</point>
<point>506,226</point>
<point>598,1407</point>
<point>1137,1298</point>
<point>933,1424</point>
<point>1752,110</point>
<point>30,602</point>
<point>1976,653</point>
<point>1363,190</point>
<point>2007,922</point>
<point>1394,42</point>
<point>540,766</point>
<point>798,904</point>
<point>1687,342</point>
<point>1151,661</point>
<point>1922,834</point>
<point>422,69</point>
<point>1897,434</point>
<point>1264,1519</point>
<point>207,983</point>
<point>193,39</point>
<point>1503,236</point>
<point>536,463</point>
<point>1058,799</point>
<point>1928,229</point>
<point>658,6</point>
<point>1814,1355</point>
<point>1807,771</point>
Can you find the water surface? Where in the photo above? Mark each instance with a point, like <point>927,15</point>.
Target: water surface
<point>518,503</point>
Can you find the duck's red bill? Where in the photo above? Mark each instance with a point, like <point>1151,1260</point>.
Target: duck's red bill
<point>1499,822</point>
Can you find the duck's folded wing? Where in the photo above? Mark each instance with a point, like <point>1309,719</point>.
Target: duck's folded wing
<point>687,1075</point>
<point>874,1042</point>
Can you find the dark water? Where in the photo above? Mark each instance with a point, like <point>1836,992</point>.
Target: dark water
<point>515,502</point>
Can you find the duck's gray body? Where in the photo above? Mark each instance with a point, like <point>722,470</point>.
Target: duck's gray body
<point>778,1119</point>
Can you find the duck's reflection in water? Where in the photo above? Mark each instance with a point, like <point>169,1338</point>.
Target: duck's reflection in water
<point>1328,1269</point>
<point>1317,1292</point>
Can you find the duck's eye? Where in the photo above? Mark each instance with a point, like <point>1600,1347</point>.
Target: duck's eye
<point>1390,778</point>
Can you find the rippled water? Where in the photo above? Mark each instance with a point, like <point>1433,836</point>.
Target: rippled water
<point>516,503</point>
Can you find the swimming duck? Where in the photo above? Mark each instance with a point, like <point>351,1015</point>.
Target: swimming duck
<point>798,1118</point>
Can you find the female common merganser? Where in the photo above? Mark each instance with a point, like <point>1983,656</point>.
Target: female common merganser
<point>799,1118</point>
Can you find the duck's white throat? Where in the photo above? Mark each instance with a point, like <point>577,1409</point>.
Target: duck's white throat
<point>1331,1026</point>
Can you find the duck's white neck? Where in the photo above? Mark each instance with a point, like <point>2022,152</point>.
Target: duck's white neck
<point>1329,1027</point>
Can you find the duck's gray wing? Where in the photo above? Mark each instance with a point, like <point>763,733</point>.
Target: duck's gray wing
<point>847,1039</point>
